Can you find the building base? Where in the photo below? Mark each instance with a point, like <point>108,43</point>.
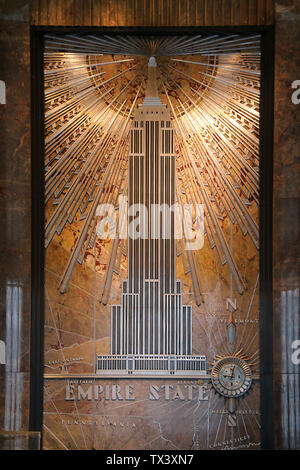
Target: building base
<point>148,365</point>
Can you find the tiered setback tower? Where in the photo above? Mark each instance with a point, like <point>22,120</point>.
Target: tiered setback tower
<point>151,331</point>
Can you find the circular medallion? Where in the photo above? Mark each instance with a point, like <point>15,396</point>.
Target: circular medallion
<point>231,377</point>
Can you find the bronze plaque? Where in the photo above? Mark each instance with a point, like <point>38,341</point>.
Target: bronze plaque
<point>152,242</point>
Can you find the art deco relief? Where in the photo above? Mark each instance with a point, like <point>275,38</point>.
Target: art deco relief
<point>151,238</point>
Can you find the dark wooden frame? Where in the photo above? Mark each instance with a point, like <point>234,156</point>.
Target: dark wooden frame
<point>266,208</point>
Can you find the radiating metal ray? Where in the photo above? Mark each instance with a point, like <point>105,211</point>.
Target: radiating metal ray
<point>217,125</point>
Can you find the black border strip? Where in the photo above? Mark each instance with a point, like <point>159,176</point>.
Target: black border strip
<point>266,240</point>
<point>37,234</point>
<point>266,207</point>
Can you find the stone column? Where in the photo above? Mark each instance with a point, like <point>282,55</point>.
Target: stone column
<point>15,214</point>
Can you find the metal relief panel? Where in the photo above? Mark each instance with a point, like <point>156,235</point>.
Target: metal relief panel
<point>152,194</point>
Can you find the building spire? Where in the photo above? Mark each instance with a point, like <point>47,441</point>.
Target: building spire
<point>152,97</point>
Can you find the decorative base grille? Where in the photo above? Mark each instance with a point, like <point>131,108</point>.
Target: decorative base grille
<point>151,365</point>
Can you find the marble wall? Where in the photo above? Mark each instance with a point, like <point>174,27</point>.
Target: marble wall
<point>152,12</point>
<point>15,199</point>
<point>15,210</point>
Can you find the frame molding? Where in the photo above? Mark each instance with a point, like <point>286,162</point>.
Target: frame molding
<point>37,234</point>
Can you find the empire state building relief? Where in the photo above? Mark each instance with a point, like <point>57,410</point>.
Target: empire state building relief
<point>151,331</point>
